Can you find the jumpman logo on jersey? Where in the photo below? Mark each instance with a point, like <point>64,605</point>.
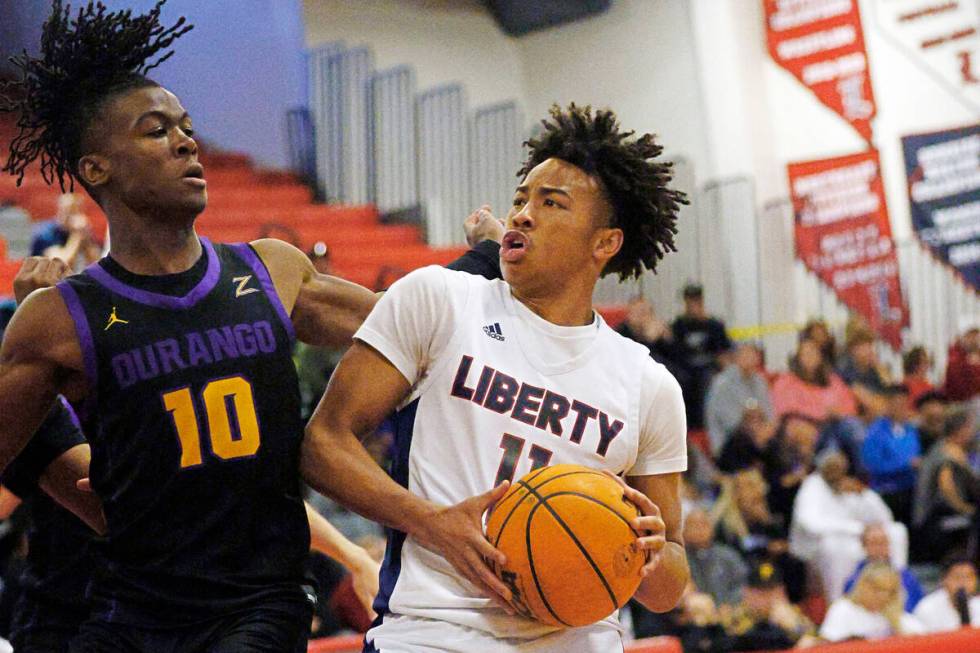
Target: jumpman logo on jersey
<point>114,319</point>
<point>242,282</point>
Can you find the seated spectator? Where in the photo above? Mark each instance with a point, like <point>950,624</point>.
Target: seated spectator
<point>873,609</point>
<point>963,364</point>
<point>829,517</point>
<point>766,620</point>
<point>67,235</point>
<point>930,413</point>
<point>955,604</point>
<point>703,348</point>
<point>891,454</point>
<point>734,389</point>
<point>916,364</point>
<point>745,524</point>
<point>811,388</point>
<point>790,462</point>
<point>750,445</point>
<point>818,331</point>
<point>877,548</point>
<point>700,629</point>
<point>716,569</point>
<point>947,492</point>
<point>643,326</point>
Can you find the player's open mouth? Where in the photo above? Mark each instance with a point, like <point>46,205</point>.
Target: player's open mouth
<point>194,176</point>
<point>514,246</point>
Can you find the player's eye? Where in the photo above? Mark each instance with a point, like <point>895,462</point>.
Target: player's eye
<point>188,130</point>
<point>518,201</point>
<point>157,132</point>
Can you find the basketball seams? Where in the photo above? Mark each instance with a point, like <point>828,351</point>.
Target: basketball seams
<point>522,484</point>
<point>596,501</point>
<point>542,501</point>
<point>530,562</point>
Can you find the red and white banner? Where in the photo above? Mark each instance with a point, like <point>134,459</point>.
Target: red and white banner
<point>843,235</point>
<point>820,42</point>
<point>941,37</point>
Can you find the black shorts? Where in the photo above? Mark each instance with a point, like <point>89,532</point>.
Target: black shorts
<point>278,628</point>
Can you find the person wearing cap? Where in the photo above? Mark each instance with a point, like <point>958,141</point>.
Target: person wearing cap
<point>963,363</point>
<point>873,609</point>
<point>892,453</point>
<point>703,348</point>
<point>766,620</point>
<point>955,603</point>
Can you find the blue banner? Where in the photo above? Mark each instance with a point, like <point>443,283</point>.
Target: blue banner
<point>943,172</point>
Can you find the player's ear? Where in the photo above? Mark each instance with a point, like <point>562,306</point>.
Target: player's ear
<point>608,242</point>
<point>94,169</point>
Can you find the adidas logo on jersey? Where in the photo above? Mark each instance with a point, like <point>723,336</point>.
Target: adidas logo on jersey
<point>493,330</point>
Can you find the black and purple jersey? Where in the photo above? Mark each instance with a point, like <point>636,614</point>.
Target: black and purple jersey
<point>193,416</point>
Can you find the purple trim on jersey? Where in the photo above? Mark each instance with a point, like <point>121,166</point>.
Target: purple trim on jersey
<point>249,255</point>
<point>86,343</point>
<point>197,293</point>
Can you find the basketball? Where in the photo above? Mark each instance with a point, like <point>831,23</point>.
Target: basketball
<point>566,533</point>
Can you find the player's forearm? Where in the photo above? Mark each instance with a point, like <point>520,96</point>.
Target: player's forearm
<point>325,538</point>
<point>337,465</point>
<point>662,589</point>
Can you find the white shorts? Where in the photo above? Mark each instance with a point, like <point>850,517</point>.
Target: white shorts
<point>403,634</point>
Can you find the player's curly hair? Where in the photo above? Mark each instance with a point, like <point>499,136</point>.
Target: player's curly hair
<point>644,206</point>
<point>84,62</point>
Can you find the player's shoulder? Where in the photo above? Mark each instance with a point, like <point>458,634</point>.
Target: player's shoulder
<point>652,373</point>
<point>437,279</point>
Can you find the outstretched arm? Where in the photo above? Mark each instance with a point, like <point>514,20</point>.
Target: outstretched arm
<point>364,389</point>
<point>364,569</point>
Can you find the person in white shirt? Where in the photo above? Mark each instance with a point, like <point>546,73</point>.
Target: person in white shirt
<point>873,610</point>
<point>495,378</point>
<point>955,604</point>
<point>830,513</point>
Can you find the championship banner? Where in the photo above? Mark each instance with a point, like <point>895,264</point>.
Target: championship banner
<point>940,37</point>
<point>943,172</point>
<point>820,42</point>
<point>843,235</point>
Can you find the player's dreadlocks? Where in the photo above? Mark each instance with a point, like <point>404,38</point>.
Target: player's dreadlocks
<point>84,62</point>
<point>644,207</point>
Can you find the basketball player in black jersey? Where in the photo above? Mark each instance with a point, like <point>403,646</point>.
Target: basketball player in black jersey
<point>176,353</point>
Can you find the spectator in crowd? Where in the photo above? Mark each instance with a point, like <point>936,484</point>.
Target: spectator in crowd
<point>930,413</point>
<point>948,491</point>
<point>877,548</point>
<point>643,326</point>
<point>873,610</point>
<point>963,363</point>
<point>916,364</point>
<point>955,603</point>
<point>790,461</point>
<point>67,235</point>
<point>811,387</point>
<point>892,453</point>
<point>751,444</point>
<point>732,390</point>
<point>766,620</point>
<point>716,569</point>
<point>829,517</point>
<point>818,331</point>
<point>700,626</point>
<point>703,348</point>
<point>745,524</point>
<point>860,370</point>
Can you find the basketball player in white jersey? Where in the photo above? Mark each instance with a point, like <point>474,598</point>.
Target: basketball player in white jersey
<point>494,378</point>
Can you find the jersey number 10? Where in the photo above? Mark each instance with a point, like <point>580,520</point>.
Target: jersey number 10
<point>216,395</point>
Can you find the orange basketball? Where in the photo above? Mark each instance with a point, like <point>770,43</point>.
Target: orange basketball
<point>566,533</point>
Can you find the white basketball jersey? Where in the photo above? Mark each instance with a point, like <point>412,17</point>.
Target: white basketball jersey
<point>497,391</point>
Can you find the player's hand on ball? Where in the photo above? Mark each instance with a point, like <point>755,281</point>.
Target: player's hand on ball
<point>38,272</point>
<point>650,525</point>
<point>482,225</point>
<point>456,533</point>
